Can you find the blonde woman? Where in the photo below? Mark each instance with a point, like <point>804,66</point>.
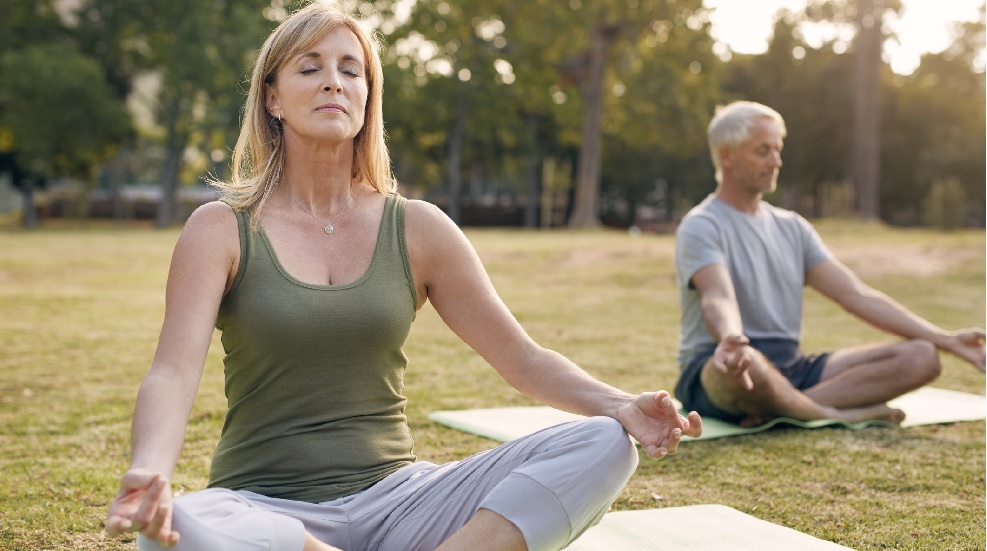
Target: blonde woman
<point>313,268</point>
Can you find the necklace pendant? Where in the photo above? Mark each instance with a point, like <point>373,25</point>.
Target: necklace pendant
<point>329,229</point>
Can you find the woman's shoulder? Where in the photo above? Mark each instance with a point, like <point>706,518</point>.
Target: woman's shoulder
<point>430,232</point>
<point>424,216</point>
<point>214,223</point>
<point>421,207</point>
<point>212,215</point>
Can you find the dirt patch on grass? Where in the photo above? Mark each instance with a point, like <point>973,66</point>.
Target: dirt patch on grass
<point>922,261</point>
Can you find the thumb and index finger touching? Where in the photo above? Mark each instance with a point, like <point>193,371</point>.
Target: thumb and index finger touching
<point>665,407</point>
<point>968,344</point>
<point>143,503</point>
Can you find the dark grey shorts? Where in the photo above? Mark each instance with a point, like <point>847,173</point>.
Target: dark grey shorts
<point>801,370</point>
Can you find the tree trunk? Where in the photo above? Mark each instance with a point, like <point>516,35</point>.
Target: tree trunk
<point>455,169</point>
<point>866,139</point>
<point>531,206</point>
<point>584,214</point>
<point>113,172</point>
<point>175,143</point>
<point>29,215</point>
<point>548,192</point>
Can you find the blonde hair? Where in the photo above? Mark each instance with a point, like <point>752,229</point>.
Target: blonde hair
<point>731,126</point>
<point>258,157</point>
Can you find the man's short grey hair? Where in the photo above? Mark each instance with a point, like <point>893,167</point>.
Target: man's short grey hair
<point>731,126</point>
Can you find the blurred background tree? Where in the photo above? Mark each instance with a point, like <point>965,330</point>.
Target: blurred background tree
<point>59,115</point>
<point>538,113</point>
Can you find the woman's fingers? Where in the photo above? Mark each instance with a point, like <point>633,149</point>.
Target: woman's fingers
<point>147,520</point>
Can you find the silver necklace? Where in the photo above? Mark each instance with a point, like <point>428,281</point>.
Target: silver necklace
<point>329,228</point>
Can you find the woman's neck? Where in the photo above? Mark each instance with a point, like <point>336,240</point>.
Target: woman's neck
<point>323,171</point>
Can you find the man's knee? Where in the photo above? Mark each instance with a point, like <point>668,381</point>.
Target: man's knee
<point>922,358</point>
<point>729,393</point>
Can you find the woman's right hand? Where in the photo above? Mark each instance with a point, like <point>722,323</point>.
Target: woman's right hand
<point>143,505</point>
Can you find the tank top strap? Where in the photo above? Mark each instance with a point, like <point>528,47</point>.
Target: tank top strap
<point>393,243</point>
<point>243,230</point>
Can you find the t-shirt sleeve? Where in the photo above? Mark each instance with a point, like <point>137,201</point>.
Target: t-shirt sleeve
<point>815,250</point>
<point>697,245</point>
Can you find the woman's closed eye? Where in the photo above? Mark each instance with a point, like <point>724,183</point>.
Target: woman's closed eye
<point>350,70</point>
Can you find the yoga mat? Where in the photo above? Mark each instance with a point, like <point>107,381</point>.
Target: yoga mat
<point>925,406</point>
<point>694,528</point>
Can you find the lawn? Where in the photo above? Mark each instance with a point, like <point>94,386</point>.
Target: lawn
<point>80,309</point>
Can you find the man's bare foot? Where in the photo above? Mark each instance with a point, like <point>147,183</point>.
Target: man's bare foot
<point>879,412</point>
<point>752,421</point>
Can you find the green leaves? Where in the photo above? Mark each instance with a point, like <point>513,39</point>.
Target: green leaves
<point>59,110</point>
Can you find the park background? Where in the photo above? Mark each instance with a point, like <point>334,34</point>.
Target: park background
<point>541,113</point>
<point>505,113</point>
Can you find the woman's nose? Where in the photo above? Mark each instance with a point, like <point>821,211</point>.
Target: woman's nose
<point>333,83</point>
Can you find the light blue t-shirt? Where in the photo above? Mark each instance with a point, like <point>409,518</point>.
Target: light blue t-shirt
<point>767,254</point>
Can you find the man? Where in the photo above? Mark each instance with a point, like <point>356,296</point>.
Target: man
<point>742,265</point>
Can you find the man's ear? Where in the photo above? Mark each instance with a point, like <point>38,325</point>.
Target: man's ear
<point>272,101</point>
<point>726,155</point>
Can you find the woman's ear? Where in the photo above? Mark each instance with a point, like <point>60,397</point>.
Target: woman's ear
<point>272,101</point>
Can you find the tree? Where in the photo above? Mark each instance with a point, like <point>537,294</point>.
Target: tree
<point>24,23</point>
<point>540,75</point>
<point>931,128</point>
<point>807,86</point>
<point>933,135</point>
<point>60,113</point>
<point>866,18</point>
<point>660,102</point>
<point>452,91</point>
<point>27,22</point>
<point>200,52</point>
<point>866,107</point>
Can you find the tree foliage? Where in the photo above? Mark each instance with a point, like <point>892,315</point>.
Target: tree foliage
<point>59,111</point>
<point>201,51</point>
<point>59,114</point>
<point>931,127</point>
<point>527,82</point>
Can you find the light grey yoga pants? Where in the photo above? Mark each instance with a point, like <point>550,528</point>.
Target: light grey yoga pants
<point>552,485</point>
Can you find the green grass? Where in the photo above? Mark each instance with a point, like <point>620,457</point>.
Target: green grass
<point>80,308</point>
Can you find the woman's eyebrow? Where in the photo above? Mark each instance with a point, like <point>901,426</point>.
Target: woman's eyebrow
<point>316,55</point>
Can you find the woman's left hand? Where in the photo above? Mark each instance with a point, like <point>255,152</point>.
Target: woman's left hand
<point>654,421</point>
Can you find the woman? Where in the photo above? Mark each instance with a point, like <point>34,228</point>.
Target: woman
<point>313,268</point>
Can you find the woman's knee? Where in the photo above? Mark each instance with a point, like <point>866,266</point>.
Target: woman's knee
<point>612,443</point>
<point>583,469</point>
<point>595,451</point>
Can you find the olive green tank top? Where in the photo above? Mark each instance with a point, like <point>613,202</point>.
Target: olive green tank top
<point>315,373</point>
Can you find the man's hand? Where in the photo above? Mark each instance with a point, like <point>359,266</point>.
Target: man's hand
<point>653,420</point>
<point>733,358</point>
<point>144,505</point>
<point>967,344</point>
